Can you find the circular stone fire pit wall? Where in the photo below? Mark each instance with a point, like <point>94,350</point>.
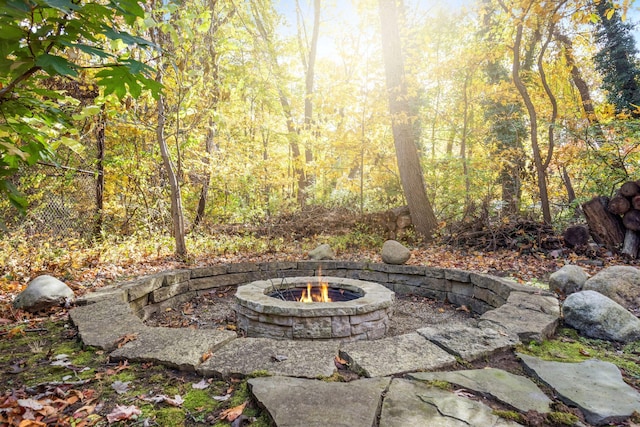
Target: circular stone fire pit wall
<point>366,317</point>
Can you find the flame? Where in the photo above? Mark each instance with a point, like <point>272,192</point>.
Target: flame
<point>316,293</point>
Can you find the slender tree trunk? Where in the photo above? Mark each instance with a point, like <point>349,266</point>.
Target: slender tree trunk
<point>100,139</point>
<point>533,118</point>
<point>177,216</point>
<point>204,191</point>
<point>404,135</point>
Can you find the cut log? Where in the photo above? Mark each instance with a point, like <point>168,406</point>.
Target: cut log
<point>605,227</point>
<point>631,220</point>
<point>575,236</point>
<point>631,244</point>
<point>635,202</point>
<point>630,189</point>
<point>619,205</point>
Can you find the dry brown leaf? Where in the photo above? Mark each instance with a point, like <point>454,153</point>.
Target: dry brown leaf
<point>127,338</point>
<point>341,361</point>
<point>584,352</point>
<point>206,356</point>
<point>232,413</point>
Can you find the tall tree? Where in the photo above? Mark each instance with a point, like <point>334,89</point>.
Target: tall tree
<point>404,133</point>
<point>177,216</point>
<point>617,59</point>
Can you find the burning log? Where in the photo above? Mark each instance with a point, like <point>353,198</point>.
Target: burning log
<point>616,222</point>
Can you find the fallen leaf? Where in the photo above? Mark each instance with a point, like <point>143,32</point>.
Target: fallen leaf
<point>232,413</point>
<point>463,308</point>
<point>200,385</point>
<point>206,356</point>
<point>279,358</point>
<point>176,401</point>
<point>120,387</point>
<point>31,404</point>
<point>222,398</point>
<point>126,338</point>
<point>584,352</point>
<point>341,360</point>
<point>121,412</point>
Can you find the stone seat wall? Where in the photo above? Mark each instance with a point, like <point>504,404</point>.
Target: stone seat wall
<point>150,294</point>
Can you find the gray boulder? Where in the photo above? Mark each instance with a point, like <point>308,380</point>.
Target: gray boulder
<point>322,252</point>
<point>598,316</point>
<point>393,252</point>
<point>620,283</point>
<point>568,280</point>
<point>43,292</point>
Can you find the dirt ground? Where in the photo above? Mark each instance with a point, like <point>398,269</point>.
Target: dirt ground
<point>215,310</point>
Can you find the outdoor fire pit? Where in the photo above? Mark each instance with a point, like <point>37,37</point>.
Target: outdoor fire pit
<point>314,308</point>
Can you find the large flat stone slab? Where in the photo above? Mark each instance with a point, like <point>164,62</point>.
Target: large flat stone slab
<point>395,355</point>
<point>470,342</point>
<point>181,348</point>
<point>514,390</point>
<point>594,386</point>
<point>103,323</point>
<point>306,359</point>
<point>530,316</point>
<point>296,402</point>
<point>412,403</point>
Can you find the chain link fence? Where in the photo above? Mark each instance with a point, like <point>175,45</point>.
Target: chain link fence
<point>62,202</point>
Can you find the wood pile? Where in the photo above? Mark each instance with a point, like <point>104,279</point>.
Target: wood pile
<point>616,221</point>
<point>519,234</point>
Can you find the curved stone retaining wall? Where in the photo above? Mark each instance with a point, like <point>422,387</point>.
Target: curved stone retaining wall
<point>150,294</point>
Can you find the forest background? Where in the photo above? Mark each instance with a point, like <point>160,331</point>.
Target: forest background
<point>133,130</point>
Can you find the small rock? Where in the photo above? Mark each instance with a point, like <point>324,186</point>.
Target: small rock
<point>598,316</point>
<point>322,252</point>
<point>393,252</point>
<point>620,283</point>
<point>568,280</point>
<point>43,292</point>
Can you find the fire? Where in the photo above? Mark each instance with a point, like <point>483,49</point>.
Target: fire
<point>316,293</point>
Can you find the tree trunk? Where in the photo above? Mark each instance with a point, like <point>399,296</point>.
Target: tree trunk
<point>204,192</point>
<point>630,189</point>
<point>176,198</point>
<point>581,84</point>
<point>404,136</point>
<point>100,139</point>
<point>575,236</point>
<point>605,227</point>
<point>631,244</point>
<point>533,118</point>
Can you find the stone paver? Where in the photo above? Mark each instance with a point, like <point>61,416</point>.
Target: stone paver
<point>469,342</point>
<point>412,403</point>
<point>103,324</point>
<point>395,355</point>
<point>514,390</point>
<point>296,402</point>
<point>532,317</point>
<point>308,359</point>
<point>181,348</point>
<point>594,386</point>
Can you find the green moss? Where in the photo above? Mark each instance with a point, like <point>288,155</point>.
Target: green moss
<point>240,395</point>
<point>260,373</point>
<point>510,415</point>
<point>336,377</point>
<point>443,385</point>
<point>170,417</point>
<point>199,401</point>
<point>568,346</point>
<point>562,418</point>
